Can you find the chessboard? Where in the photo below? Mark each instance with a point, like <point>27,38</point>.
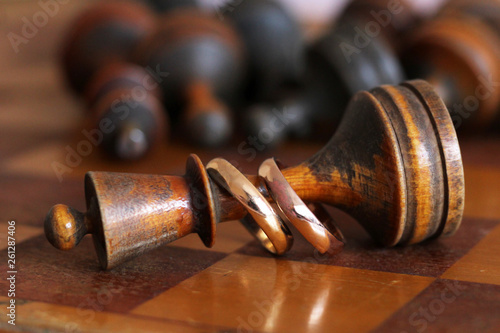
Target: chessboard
<point>443,285</point>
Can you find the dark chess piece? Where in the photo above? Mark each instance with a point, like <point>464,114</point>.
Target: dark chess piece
<point>107,31</point>
<point>487,10</point>
<point>342,62</point>
<point>459,53</point>
<point>204,59</point>
<point>121,75</point>
<point>393,19</point>
<point>164,6</point>
<point>274,46</point>
<point>394,164</point>
<point>126,108</point>
<point>275,50</point>
<point>361,61</point>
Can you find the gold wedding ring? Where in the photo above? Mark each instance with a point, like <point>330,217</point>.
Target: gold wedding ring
<point>323,236</point>
<point>262,221</point>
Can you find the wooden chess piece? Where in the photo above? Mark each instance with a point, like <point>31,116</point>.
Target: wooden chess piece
<point>163,6</point>
<point>203,59</point>
<point>360,60</point>
<point>120,74</point>
<point>275,50</point>
<point>393,19</point>
<point>126,108</point>
<point>459,54</point>
<point>394,164</point>
<point>273,43</point>
<point>107,31</point>
<point>342,62</point>
<point>357,53</point>
<point>487,10</point>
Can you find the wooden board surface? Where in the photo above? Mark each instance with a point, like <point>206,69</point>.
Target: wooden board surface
<point>449,285</point>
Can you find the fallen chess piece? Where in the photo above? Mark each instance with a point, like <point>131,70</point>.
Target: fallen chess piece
<point>394,164</point>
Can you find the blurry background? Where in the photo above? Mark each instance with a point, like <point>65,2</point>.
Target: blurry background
<point>36,105</point>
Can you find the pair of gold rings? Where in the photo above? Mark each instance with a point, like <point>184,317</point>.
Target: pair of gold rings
<point>263,221</point>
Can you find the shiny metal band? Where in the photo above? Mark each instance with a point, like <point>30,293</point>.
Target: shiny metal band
<point>262,220</point>
<point>323,235</point>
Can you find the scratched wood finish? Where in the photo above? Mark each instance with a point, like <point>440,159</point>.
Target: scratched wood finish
<point>394,164</point>
<point>183,286</point>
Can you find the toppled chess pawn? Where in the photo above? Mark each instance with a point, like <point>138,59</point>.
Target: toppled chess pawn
<point>394,164</point>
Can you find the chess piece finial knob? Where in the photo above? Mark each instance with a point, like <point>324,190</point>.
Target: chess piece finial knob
<point>65,227</point>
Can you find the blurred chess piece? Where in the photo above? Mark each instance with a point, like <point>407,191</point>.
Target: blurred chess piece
<point>487,10</point>
<point>203,59</point>
<point>273,43</point>
<point>126,108</point>
<point>105,32</point>
<point>163,6</point>
<point>344,60</point>
<point>393,19</point>
<point>458,52</point>
<point>275,49</point>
